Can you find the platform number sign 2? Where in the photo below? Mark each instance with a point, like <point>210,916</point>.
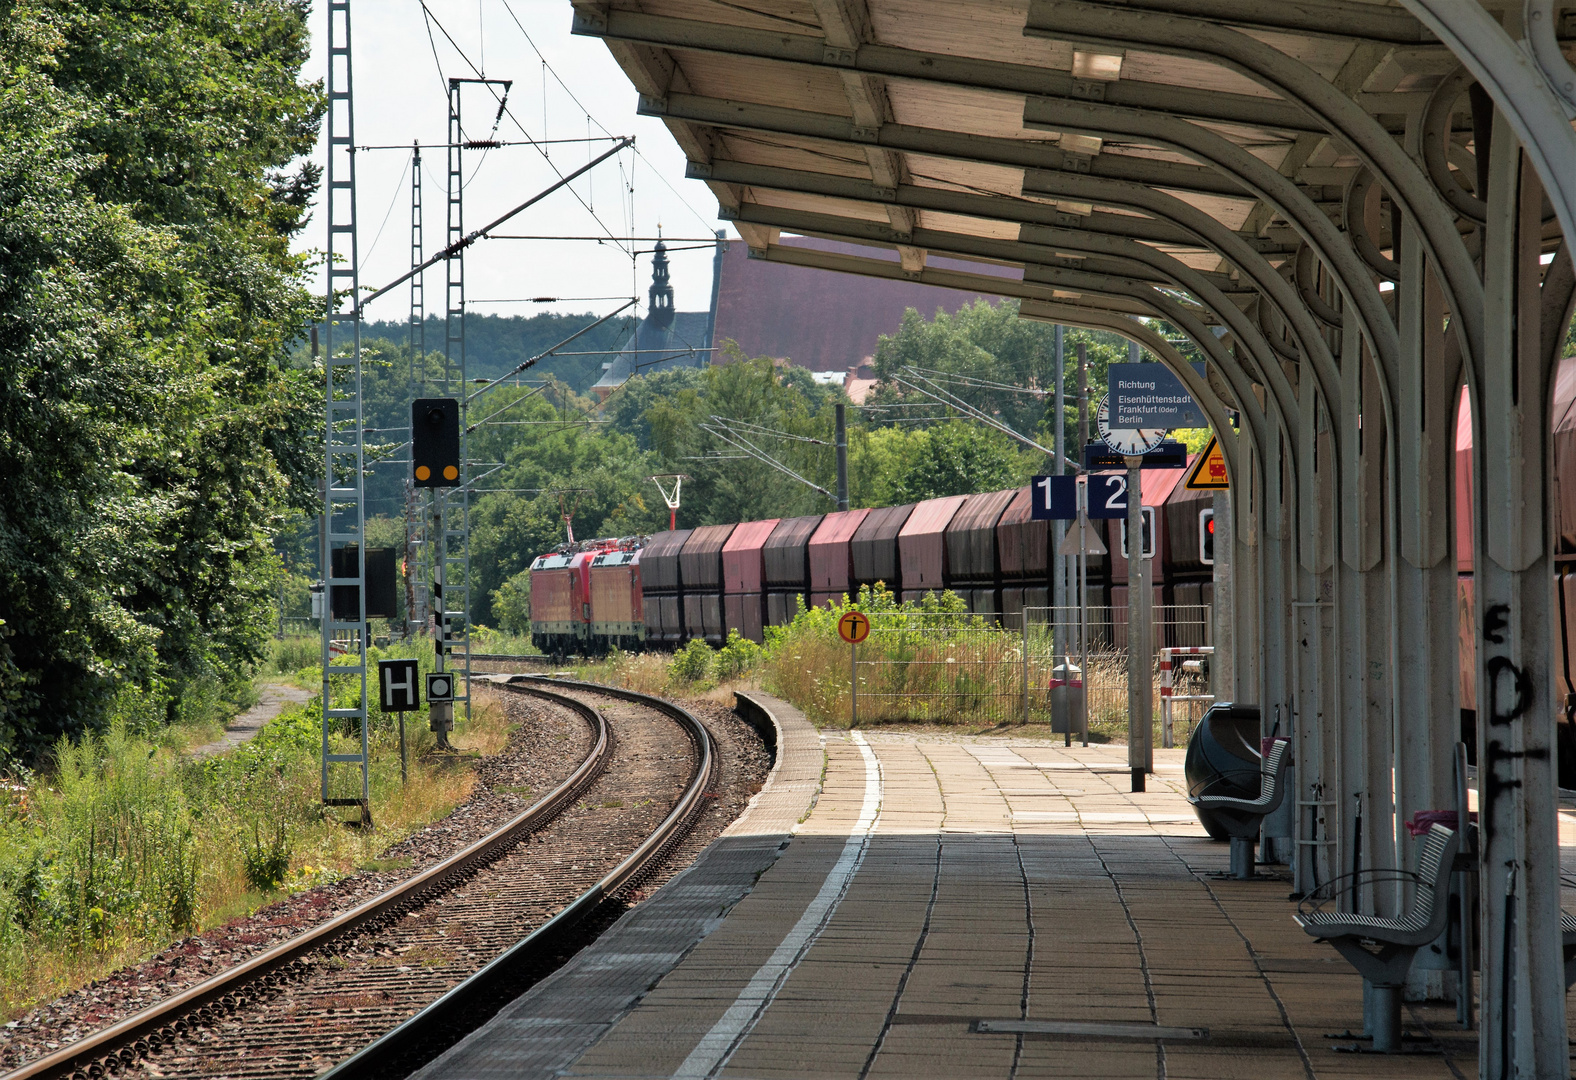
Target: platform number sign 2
<point>1107,495</point>
<point>397,686</point>
<point>1053,498</point>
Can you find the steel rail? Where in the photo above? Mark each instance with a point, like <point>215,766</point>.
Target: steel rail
<point>456,1011</point>
<point>143,1032</point>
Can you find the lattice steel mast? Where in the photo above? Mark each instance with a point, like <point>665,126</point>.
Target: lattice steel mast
<point>344,508</point>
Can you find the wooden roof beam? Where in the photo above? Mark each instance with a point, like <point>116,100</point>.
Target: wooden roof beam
<point>886,61</point>
<point>937,142</point>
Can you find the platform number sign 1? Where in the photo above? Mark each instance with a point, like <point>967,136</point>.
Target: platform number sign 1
<point>1107,495</point>
<point>397,686</point>
<point>1053,498</point>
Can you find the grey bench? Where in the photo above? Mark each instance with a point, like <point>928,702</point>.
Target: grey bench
<point>1381,949</point>
<point>1241,818</point>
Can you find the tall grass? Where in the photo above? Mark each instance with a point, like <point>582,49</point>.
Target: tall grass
<point>121,844</point>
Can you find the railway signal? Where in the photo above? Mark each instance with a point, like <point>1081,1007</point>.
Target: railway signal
<point>1206,537</point>
<point>435,442</point>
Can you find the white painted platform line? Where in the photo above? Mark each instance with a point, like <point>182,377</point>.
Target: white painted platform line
<point>719,1044</point>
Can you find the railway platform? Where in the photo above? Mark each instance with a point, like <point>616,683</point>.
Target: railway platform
<point>956,907</point>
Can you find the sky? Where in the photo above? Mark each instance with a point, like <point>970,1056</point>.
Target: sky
<point>401,97</point>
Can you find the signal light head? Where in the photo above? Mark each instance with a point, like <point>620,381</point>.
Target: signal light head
<point>435,442</point>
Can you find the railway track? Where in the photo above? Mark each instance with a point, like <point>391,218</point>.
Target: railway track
<point>423,963</point>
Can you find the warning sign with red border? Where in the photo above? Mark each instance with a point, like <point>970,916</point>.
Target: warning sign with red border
<point>1209,470</point>
<point>853,627</point>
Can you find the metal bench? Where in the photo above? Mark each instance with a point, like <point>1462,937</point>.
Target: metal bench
<point>1241,818</point>
<point>1381,949</point>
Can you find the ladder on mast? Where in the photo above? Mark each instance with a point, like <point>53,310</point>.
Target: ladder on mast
<point>343,524</point>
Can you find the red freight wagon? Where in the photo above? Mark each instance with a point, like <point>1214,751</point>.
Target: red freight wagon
<point>617,600</point>
<point>874,548</point>
<point>787,567</point>
<point>743,587</point>
<point>1023,552</point>
<point>831,557</point>
<point>659,573</point>
<point>700,570</point>
<point>922,548</point>
<point>971,550</point>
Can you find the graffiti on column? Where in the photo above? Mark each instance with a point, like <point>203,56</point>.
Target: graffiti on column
<point>1509,694</point>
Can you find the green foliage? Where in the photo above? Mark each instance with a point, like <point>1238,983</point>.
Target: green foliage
<point>496,344</point>
<point>153,428</point>
<point>511,604</point>
<point>957,457</point>
<point>737,657</point>
<point>693,663</point>
<point>266,860</point>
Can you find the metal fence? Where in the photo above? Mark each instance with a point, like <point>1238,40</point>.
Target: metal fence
<point>960,668</point>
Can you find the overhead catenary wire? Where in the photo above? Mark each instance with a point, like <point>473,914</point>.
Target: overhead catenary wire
<point>623,140</point>
<point>739,442</point>
<point>565,86</point>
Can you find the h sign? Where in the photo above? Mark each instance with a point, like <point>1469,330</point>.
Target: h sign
<point>397,690</point>
<point>1053,498</point>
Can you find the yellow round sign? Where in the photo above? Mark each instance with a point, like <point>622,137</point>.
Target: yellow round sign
<point>853,627</point>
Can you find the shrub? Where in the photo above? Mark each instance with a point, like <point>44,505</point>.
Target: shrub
<point>691,664</point>
<point>737,657</point>
<point>266,860</point>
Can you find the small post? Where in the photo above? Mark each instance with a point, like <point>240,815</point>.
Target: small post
<point>1083,614</point>
<point>842,457</point>
<point>853,686</point>
<point>1140,709</point>
<point>1059,562</point>
<point>402,775</point>
<point>1023,613</point>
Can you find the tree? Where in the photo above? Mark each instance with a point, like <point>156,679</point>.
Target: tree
<point>152,430</point>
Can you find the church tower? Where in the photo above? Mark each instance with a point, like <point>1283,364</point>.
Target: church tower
<point>659,310</point>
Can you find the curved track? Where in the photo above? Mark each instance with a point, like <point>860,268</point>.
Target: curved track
<point>304,1003</point>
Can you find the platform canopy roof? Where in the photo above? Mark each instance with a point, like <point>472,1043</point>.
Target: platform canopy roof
<point>1150,158</point>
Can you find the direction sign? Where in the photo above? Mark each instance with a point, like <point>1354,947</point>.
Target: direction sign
<point>853,627</point>
<point>1108,495</point>
<point>1053,498</point>
<point>397,686</point>
<point>1150,396</point>
<point>1209,470</point>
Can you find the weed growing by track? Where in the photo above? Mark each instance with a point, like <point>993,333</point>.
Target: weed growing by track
<point>123,844</point>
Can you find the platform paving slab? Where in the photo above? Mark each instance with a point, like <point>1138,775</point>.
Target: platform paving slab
<point>1003,880</point>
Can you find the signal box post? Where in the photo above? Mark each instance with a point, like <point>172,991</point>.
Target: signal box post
<point>435,463</point>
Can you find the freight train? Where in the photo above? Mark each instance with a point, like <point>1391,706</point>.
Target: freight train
<point>663,590</point>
